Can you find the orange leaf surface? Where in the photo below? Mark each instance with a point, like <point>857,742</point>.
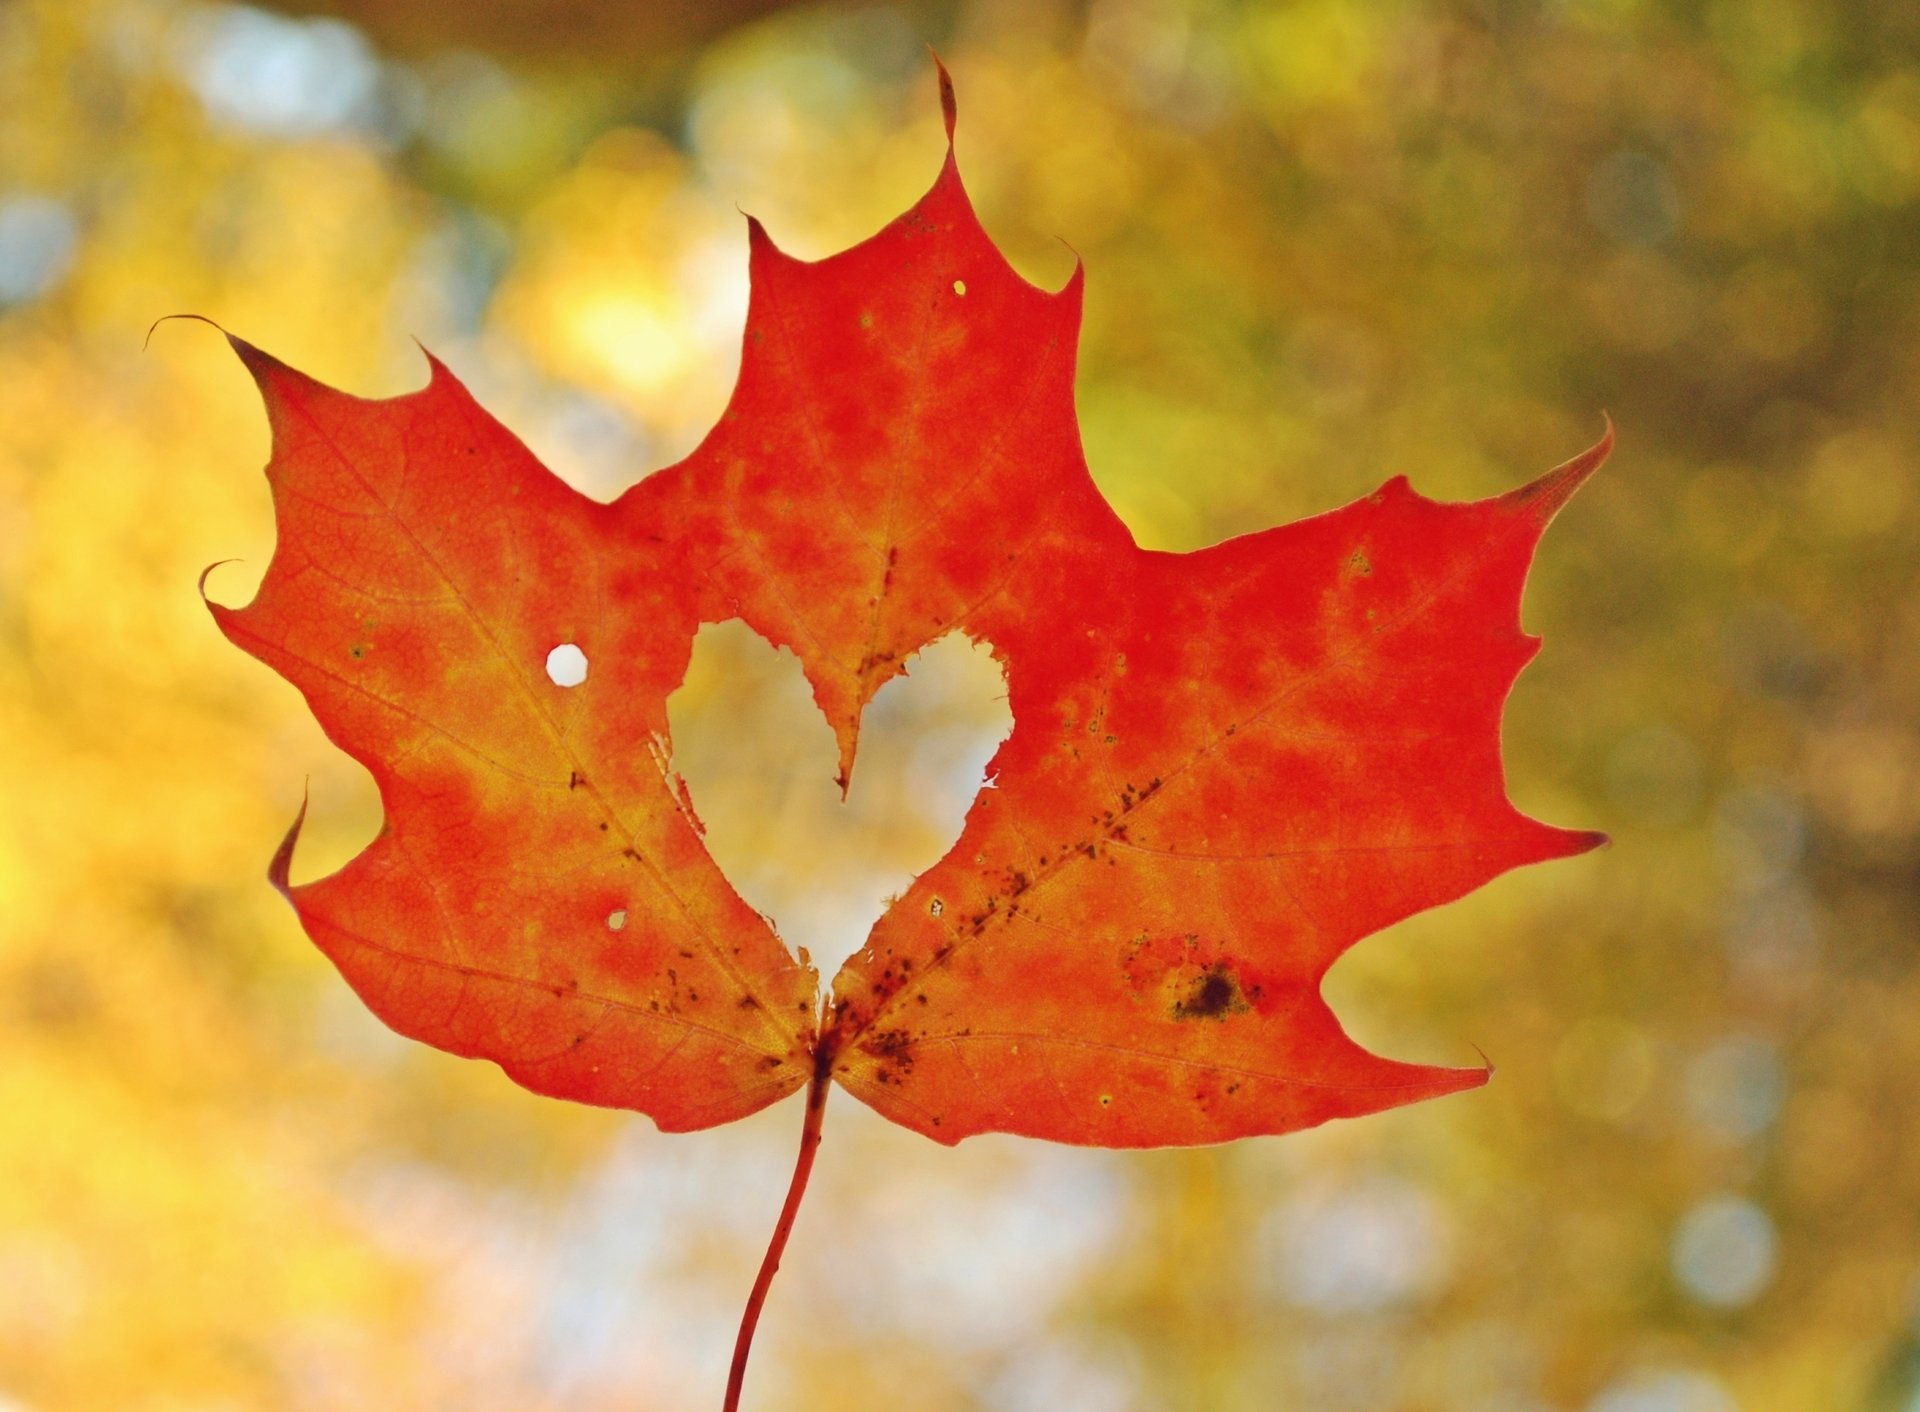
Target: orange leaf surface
<point>1225,768</point>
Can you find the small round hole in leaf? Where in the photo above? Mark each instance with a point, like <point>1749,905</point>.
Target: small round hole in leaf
<point>566,665</point>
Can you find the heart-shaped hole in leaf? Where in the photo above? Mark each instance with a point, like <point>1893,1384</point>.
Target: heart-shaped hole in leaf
<point>759,762</point>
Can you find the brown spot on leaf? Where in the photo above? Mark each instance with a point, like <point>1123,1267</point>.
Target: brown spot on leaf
<point>1214,995</point>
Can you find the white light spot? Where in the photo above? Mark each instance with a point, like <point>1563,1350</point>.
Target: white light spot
<point>1372,1245</point>
<point>1675,1390</point>
<point>616,919</point>
<point>281,77</point>
<point>37,239</point>
<point>1736,1087</point>
<point>1723,1251</point>
<point>566,665</point>
<point>959,286</point>
<point>1041,1378</point>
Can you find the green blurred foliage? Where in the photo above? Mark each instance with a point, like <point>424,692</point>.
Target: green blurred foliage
<point>1327,242</point>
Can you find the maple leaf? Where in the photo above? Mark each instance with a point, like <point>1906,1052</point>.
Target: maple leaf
<point>1225,767</point>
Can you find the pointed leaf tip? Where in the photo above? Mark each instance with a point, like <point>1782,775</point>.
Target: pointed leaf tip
<point>849,742</point>
<point>1487,1070</point>
<point>435,368</point>
<point>760,245</point>
<point>439,375</point>
<point>1544,497</point>
<point>281,865</point>
<point>948,107</point>
<point>261,364</point>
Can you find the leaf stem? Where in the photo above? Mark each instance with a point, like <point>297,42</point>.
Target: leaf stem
<point>802,1169</point>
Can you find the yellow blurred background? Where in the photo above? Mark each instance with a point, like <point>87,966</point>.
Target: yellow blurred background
<point>1327,242</point>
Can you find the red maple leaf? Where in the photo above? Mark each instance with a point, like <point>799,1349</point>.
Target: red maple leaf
<point>1225,768</point>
